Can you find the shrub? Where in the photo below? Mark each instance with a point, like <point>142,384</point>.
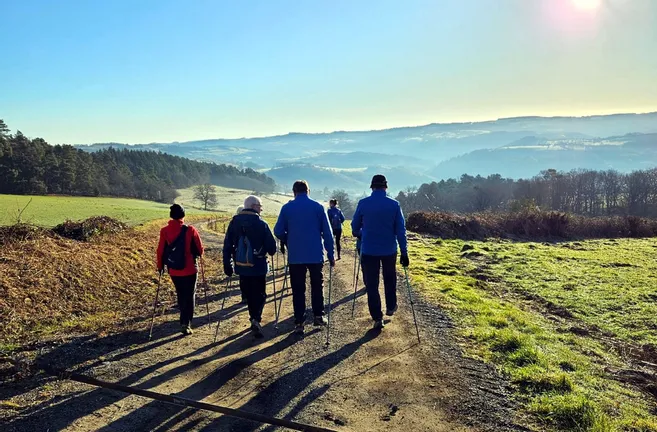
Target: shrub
<point>529,223</point>
<point>88,228</point>
<point>21,232</point>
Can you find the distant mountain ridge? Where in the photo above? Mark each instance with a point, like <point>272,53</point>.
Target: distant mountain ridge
<point>434,151</point>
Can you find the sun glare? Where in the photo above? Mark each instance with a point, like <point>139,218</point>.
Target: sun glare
<point>587,4</point>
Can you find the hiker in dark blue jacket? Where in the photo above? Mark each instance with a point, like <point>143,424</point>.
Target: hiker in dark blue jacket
<point>380,222</point>
<point>336,218</point>
<point>301,226</point>
<point>253,273</point>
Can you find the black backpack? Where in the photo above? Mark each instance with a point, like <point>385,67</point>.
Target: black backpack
<point>174,253</point>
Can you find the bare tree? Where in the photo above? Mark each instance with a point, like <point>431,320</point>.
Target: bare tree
<point>207,195</point>
<point>345,202</point>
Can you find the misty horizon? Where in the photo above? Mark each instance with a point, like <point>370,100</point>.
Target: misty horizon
<point>328,132</point>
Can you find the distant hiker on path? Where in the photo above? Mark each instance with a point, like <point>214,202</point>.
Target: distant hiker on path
<point>246,245</point>
<point>337,219</point>
<point>179,247</point>
<point>301,226</point>
<point>380,221</point>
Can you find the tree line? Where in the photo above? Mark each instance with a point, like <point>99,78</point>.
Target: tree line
<point>32,166</point>
<point>584,192</point>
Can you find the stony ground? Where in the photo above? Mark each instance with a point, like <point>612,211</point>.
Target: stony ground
<point>363,381</point>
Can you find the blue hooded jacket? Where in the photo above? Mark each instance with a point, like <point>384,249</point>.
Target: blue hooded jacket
<point>336,218</point>
<point>381,223</point>
<point>302,224</point>
<point>260,236</point>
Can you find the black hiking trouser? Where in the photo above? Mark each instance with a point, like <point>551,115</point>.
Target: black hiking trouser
<point>298,282</point>
<point>338,235</point>
<point>186,293</point>
<point>253,287</point>
<point>243,294</point>
<point>371,266</point>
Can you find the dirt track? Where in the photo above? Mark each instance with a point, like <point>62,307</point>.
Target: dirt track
<point>365,381</point>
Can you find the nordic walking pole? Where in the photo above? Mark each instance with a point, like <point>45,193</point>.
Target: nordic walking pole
<point>273,282</point>
<point>280,301</point>
<point>356,277</point>
<point>223,302</point>
<point>328,327</point>
<point>157,295</point>
<point>205,285</point>
<point>353,278</point>
<point>410,298</point>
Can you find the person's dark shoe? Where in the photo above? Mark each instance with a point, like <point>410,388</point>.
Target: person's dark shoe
<point>391,312</point>
<point>378,325</point>
<point>320,321</point>
<point>187,330</point>
<point>256,327</point>
<point>298,329</point>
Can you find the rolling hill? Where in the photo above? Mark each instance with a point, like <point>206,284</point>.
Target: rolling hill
<point>526,157</point>
<point>514,147</point>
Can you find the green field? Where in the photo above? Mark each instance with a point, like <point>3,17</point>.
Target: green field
<point>230,199</point>
<point>568,323</point>
<point>51,210</point>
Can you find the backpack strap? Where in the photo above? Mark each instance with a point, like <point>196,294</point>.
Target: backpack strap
<point>183,232</point>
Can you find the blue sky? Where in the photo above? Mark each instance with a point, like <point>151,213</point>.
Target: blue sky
<point>141,71</point>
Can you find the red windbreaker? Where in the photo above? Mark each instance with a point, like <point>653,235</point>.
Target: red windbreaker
<point>168,235</point>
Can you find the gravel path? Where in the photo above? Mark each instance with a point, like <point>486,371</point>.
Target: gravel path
<point>364,381</point>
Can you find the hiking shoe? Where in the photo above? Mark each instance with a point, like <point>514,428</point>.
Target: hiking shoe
<point>256,328</point>
<point>378,325</point>
<point>391,312</point>
<point>320,321</point>
<point>298,329</point>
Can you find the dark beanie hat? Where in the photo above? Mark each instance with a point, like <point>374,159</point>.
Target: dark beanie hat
<point>177,211</point>
<point>379,181</point>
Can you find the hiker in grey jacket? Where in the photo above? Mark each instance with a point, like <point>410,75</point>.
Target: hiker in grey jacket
<point>253,274</point>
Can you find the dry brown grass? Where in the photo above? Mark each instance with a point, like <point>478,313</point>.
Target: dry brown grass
<point>51,285</point>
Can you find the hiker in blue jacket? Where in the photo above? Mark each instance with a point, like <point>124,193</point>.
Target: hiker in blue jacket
<point>336,218</point>
<point>301,226</point>
<point>380,222</point>
<point>251,265</point>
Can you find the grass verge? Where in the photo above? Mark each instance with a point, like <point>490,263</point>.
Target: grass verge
<point>568,380</point>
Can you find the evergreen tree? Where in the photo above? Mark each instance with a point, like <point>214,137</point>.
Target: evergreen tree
<point>32,166</point>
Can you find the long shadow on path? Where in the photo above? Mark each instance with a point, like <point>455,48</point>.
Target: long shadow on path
<point>199,390</point>
<point>62,414</point>
<point>273,399</point>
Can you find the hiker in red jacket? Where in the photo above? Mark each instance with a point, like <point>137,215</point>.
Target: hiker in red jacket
<point>178,251</point>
